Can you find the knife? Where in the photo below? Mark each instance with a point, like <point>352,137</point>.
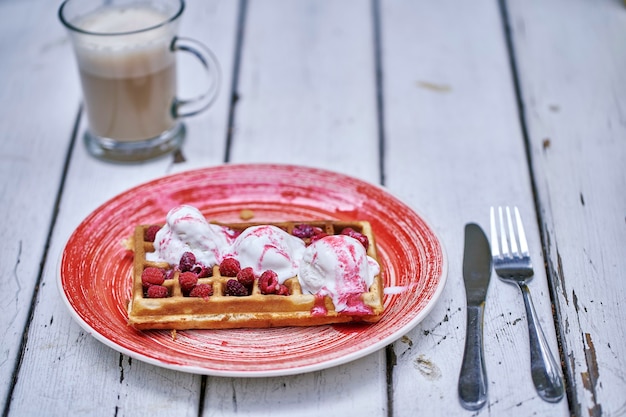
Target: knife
<point>476,275</point>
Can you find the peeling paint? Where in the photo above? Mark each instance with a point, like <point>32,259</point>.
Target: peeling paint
<point>561,276</point>
<point>428,369</point>
<point>436,87</point>
<point>407,340</point>
<point>591,376</point>
<point>446,318</point>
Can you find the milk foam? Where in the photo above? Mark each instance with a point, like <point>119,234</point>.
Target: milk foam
<point>120,55</point>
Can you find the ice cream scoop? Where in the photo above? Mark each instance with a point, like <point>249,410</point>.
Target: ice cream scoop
<point>338,266</point>
<point>186,230</point>
<point>268,247</point>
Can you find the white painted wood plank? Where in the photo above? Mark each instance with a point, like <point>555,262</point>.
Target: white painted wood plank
<point>572,64</point>
<point>35,132</point>
<point>454,147</point>
<point>307,96</point>
<point>65,371</point>
<point>307,89</point>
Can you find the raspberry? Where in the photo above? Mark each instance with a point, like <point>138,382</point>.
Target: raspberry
<point>152,276</point>
<point>230,267</point>
<point>202,291</point>
<point>358,236</point>
<point>303,231</point>
<point>236,288</point>
<point>169,274</point>
<point>268,282</point>
<point>282,290</point>
<point>150,232</point>
<point>246,277</point>
<point>187,261</point>
<point>157,291</point>
<point>187,281</point>
<point>318,236</point>
<point>202,271</point>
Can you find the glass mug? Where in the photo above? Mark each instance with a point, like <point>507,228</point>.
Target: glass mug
<point>125,51</point>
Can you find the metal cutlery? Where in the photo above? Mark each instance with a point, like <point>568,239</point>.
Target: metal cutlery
<point>476,275</point>
<point>513,265</point>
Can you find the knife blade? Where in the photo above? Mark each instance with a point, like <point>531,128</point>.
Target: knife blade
<point>476,276</point>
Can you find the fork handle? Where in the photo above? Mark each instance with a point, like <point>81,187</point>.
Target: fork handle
<point>547,375</point>
<point>473,378</point>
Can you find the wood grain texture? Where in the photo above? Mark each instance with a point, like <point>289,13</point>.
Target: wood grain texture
<point>35,131</point>
<point>307,86</point>
<point>307,93</point>
<point>102,381</point>
<point>572,70</point>
<point>451,125</point>
<point>307,96</point>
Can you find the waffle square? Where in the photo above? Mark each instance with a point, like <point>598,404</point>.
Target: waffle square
<point>220,311</point>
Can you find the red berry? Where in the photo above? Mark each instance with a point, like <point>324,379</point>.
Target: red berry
<point>358,236</point>
<point>150,232</point>
<point>246,277</point>
<point>187,281</point>
<point>157,291</point>
<point>202,291</point>
<point>268,282</point>
<point>282,290</point>
<point>187,261</point>
<point>317,237</point>
<point>303,231</point>
<point>202,271</point>
<point>236,288</point>
<point>152,276</point>
<point>230,267</point>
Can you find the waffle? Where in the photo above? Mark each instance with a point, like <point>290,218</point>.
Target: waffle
<point>256,310</point>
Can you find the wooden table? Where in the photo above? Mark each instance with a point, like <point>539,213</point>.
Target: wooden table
<point>452,106</point>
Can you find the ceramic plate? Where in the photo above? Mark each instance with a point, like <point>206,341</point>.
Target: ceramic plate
<point>95,268</point>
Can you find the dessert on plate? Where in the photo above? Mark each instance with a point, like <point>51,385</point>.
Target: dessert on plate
<point>193,274</point>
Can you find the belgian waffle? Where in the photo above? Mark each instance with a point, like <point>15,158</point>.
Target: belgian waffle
<point>221,311</point>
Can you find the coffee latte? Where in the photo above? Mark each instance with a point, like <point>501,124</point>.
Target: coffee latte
<point>128,79</point>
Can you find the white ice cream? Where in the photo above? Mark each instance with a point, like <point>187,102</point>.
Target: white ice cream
<point>186,230</point>
<point>268,247</point>
<point>338,266</point>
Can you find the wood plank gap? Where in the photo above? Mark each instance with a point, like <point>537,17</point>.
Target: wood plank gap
<point>556,313</point>
<point>380,115</point>
<point>380,103</point>
<point>234,95</point>
<point>390,358</point>
<point>33,303</point>
<point>203,382</point>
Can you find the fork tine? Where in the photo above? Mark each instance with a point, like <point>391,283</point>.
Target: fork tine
<point>512,239</point>
<point>495,249</point>
<point>520,231</point>
<point>503,238</point>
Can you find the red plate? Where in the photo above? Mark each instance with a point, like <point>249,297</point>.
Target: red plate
<point>95,270</point>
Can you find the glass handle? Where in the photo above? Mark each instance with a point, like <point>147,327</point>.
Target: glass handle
<point>193,106</point>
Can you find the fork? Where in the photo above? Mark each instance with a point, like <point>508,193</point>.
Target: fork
<point>513,265</point>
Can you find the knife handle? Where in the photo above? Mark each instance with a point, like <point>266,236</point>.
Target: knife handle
<point>473,378</point>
